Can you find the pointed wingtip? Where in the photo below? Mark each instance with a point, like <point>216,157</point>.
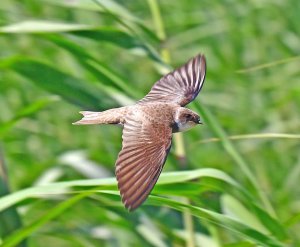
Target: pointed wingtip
<point>130,207</point>
<point>202,63</point>
<point>202,59</point>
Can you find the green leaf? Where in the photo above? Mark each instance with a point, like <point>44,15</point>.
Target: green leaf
<point>95,6</point>
<point>236,156</point>
<point>109,34</point>
<point>108,186</point>
<point>26,111</point>
<point>23,233</point>
<point>233,208</point>
<point>52,189</point>
<point>102,73</point>
<point>60,83</point>
<point>182,176</point>
<point>122,39</point>
<point>112,35</point>
<point>224,221</point>
<point>10,220</point>
<point>42,26</point>
<point>62,187</point>
<point>117,11</point>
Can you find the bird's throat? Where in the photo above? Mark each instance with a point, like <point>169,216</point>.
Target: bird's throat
<point>180,127</point>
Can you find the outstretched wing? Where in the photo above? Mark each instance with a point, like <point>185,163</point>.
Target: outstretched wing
<point>180,86</point>
<point>140,162</point>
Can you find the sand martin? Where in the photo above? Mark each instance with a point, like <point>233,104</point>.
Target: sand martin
<point>148,126</point>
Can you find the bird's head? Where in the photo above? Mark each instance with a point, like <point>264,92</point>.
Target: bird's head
<point>185,119</point>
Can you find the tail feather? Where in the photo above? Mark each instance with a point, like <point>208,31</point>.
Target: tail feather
<point>111,116</point>
<point>89,117</point>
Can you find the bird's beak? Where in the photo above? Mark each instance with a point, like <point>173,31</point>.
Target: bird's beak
<point>199,121</point>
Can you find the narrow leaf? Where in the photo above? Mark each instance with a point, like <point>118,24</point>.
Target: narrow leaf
<point>60,83</point>
<point>26,111</point>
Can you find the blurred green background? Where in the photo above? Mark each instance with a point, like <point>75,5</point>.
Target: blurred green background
<point>60,57</point>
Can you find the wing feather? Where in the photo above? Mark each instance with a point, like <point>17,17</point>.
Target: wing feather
<point>145,148</point>
<point>180,86</point>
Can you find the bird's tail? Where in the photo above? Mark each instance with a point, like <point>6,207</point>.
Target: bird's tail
<point>89,117</point>
<point>112,116</point>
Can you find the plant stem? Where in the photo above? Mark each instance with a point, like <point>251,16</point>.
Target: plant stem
<point>232,151</point>
<point>252,137</point>
<point>178,138</point>
<point>158,22</point>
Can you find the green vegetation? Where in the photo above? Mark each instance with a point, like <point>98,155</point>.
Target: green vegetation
<point>232,182</point>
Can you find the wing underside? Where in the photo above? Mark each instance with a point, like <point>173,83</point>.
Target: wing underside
<point>140,162</point>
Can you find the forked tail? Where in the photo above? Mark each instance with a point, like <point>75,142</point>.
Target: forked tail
<point>89,117</point>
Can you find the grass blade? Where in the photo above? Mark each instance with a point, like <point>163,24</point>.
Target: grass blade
<point>232,151</point>
<point>219,219</point>
<point>10,220</point>
<point>57,82</point>
<point>23,233</point>
<point>63,187</point>
<point>26,111</point>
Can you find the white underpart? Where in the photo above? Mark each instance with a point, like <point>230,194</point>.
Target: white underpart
<point>185,126</point>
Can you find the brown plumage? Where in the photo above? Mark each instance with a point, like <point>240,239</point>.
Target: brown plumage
<point>148,127</point>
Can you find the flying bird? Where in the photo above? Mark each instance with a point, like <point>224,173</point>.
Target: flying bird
<point>148,126</point>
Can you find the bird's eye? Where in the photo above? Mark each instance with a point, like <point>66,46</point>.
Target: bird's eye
<point>188,116</point>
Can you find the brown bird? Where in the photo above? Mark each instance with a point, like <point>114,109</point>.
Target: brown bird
<point>148,126</point>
